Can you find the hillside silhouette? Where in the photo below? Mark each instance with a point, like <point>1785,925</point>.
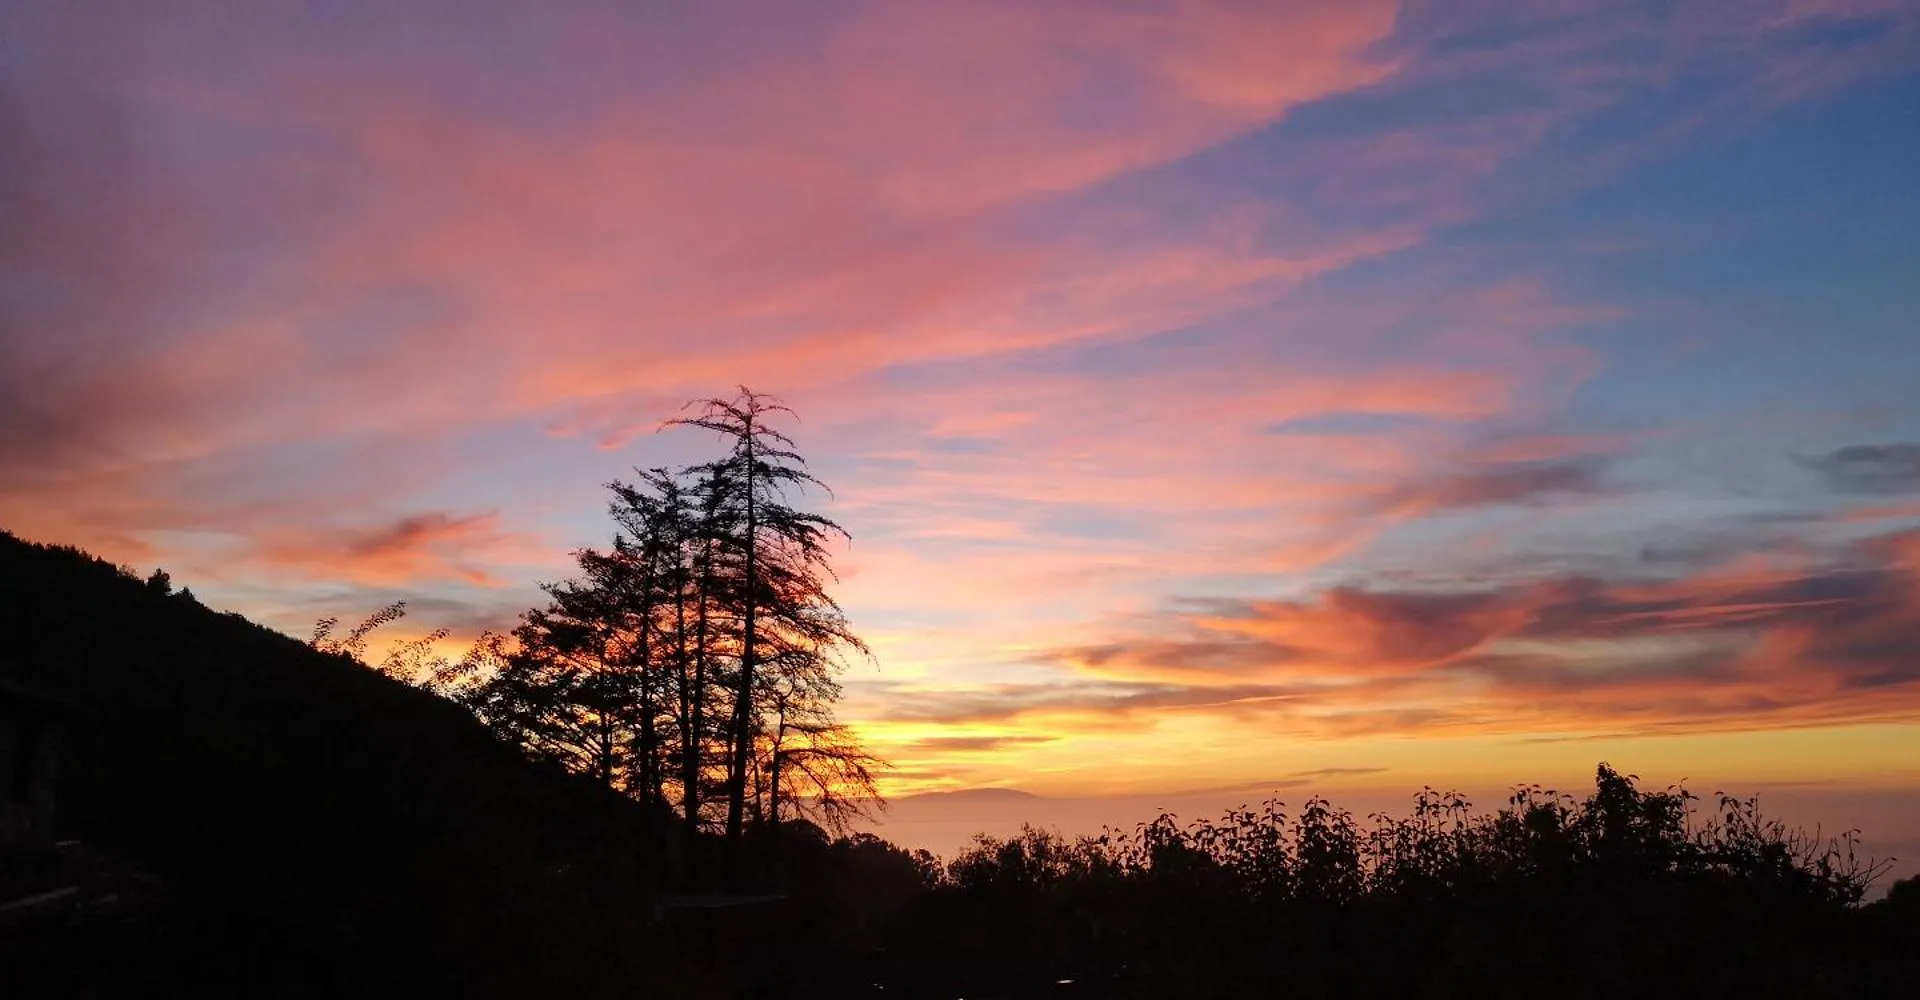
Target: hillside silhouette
<point>309,823</point>
<point>275,820</point>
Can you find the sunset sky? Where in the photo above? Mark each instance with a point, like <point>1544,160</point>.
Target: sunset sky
<point>1220,396</point>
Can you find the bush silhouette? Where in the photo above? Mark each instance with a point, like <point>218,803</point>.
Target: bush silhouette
<point>1620,893</point>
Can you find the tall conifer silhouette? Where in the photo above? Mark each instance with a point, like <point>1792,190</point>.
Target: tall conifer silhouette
<point>783,606</point>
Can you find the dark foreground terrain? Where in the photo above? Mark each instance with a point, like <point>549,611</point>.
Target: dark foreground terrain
<point>242,815</point>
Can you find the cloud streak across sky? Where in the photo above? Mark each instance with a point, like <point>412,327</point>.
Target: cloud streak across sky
<point>1205,384</point>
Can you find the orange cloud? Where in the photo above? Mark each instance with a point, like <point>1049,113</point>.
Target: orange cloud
<point>1717,651</point>
<point>417,548</point>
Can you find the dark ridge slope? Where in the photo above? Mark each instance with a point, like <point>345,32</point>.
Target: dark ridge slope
<point>316,826</point>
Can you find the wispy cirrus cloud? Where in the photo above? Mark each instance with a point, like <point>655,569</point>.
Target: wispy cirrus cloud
<point>938,745</point>
<point>1869,468</point>
<point>1510,483</point>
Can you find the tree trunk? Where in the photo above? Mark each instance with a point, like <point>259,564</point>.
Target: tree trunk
<point>773,784</point>
<point>649,763</point>
<point>649,743</point>
<point>606,746</point>
<point>743,697</point>
<point>690,762</point>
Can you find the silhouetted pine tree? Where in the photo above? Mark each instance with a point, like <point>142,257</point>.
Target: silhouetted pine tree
<point>690,665</point>
<point>782,605</point>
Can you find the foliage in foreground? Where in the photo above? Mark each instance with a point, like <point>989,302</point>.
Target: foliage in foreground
<point>1623,892</point>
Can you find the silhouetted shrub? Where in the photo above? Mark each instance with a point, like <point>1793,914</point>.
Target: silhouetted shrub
<point>1622,892</point>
